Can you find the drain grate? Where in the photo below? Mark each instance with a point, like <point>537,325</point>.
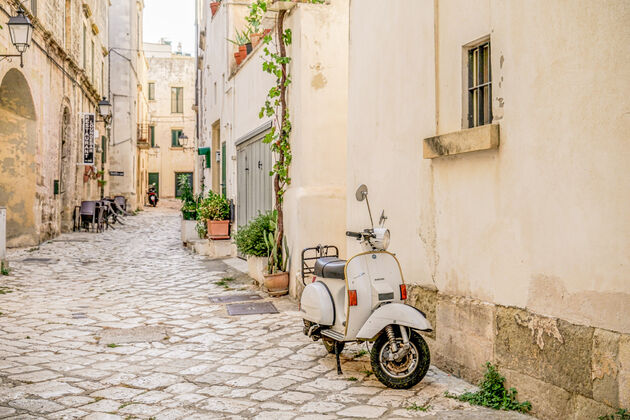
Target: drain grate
<point>39,260</point>
<point>235,298</point>
<point>252,308</point>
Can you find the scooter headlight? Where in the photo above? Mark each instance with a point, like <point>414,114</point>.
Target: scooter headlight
<point>381,238</point>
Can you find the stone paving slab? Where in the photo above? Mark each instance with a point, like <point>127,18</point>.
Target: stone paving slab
<point>118,325</point>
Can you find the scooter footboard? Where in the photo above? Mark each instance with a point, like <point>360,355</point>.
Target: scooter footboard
<point>393,314</point>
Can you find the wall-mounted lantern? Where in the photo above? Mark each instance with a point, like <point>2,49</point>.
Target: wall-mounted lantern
<point>21,31</point>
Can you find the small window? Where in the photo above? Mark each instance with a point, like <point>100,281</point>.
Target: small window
<point>152,135</point>
<point>175,138</point>
<point>92,62</point>
<point>479,85</point>
<point>177,100</point>
<point>84,46</point>
<point>151,91</point>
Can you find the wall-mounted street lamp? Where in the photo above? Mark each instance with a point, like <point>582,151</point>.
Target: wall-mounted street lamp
<point>105,109</point>
<point>21,31</point>
<point>184,141</point>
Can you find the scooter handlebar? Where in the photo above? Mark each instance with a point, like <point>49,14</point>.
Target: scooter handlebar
<point>357,235</point>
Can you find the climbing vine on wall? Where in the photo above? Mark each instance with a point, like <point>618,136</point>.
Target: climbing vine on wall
<point>275,62</point>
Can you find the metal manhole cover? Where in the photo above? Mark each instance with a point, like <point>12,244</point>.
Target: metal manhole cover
<point>235,298</point>
<point>251,308</point>
<point>38,260</point>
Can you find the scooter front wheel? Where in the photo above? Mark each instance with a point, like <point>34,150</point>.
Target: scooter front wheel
<point>403,373</point>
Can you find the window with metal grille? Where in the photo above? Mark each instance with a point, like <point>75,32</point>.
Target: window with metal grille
<point>175,138</point>
<point>151,91</point>
<point>479,85</point>
<point>177,100</point>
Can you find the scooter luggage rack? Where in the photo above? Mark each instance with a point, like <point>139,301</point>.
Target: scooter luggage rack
<point>312,255</point>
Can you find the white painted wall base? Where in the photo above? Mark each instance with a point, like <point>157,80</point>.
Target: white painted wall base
<point>189,231</point>
<point>3,235</point>
<point>256,268</point>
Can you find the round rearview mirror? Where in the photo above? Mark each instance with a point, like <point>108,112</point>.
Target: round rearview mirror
<point>361,193</point>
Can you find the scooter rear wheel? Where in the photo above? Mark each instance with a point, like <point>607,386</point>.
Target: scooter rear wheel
<point>406,372</point>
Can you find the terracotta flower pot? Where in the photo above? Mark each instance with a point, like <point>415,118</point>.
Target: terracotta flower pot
<point>219,229</point>
<point>238,58</point>
<point>255,39</point>
<point>243,50</point>
<point>214,6</point>
<point>266,31</point>
<point>277,284</point>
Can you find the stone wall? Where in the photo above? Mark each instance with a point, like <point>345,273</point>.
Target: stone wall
<point>566,370</point>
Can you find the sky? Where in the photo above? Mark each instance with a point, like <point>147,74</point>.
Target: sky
<point>170,19</point>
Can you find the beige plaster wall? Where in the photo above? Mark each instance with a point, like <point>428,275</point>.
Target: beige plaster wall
<point>167,72</point>
<point>36,151</point>
<point>541,222</point>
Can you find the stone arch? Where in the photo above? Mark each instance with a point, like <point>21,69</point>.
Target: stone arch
<point>18,148</point>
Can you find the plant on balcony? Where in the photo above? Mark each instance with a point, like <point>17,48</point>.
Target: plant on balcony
<point>214,212</point>
<point>214,6</point>
<point>244,45</point>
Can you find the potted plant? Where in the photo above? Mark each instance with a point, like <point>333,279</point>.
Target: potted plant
<point>188,209</point>
<point>214,6</point>
<point>214,211</point>
<point>250,241</point>
<point>276,276</point>
<point>242,40</point>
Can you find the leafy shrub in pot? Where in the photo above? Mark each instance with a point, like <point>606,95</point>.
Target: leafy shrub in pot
<point>250,239</point>
<point>214,211</point>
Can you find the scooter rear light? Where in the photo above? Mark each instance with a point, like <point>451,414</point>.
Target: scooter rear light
<point>403,291</point>
<point>352,297</point>
<point>314,279</point>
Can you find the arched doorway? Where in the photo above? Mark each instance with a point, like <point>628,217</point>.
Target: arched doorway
<point>18,147</point>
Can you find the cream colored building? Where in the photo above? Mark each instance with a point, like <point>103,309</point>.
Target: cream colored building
<point>231,98</point>
<point>515,235</point>
<point>65,74</point>
<point>171,93</point>
<point>129,140</point>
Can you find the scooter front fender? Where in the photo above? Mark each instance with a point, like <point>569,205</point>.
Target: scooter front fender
<point>393,313</point>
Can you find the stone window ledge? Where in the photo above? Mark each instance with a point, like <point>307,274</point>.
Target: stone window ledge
<point>485,137</point>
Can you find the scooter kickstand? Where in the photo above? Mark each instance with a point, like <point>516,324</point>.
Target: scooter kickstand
<point>337,345</point>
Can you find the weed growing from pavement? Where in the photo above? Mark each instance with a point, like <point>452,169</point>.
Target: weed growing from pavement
<point>621,414</point>
<point>416,407</point>
<point>112,345</point>
<point>352,379</point>
<point>493,394</point>
<point>5,290</point>
<point>224,282</point>
<point>360,353</point>
<point>367,373</point>
<point>4,270</point>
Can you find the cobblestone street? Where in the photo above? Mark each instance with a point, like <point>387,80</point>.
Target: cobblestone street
<point>63,354</point>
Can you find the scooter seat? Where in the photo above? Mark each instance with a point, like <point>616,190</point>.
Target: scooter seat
<point>330,267</point>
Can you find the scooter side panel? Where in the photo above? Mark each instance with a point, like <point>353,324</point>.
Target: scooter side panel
<point>316,304</point>
<point>358,279</point>
<point>393,313</point>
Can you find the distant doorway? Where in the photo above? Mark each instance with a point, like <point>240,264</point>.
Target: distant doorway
<point>154,179</point>
<point>189,179</point>
<point>18,148</point>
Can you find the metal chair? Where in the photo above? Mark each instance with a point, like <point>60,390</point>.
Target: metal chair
<point>88,215</point>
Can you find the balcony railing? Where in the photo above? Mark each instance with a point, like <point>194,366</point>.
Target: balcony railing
<point>143,134</point>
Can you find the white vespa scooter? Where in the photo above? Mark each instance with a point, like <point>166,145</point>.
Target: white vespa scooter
<point>362,299</point>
